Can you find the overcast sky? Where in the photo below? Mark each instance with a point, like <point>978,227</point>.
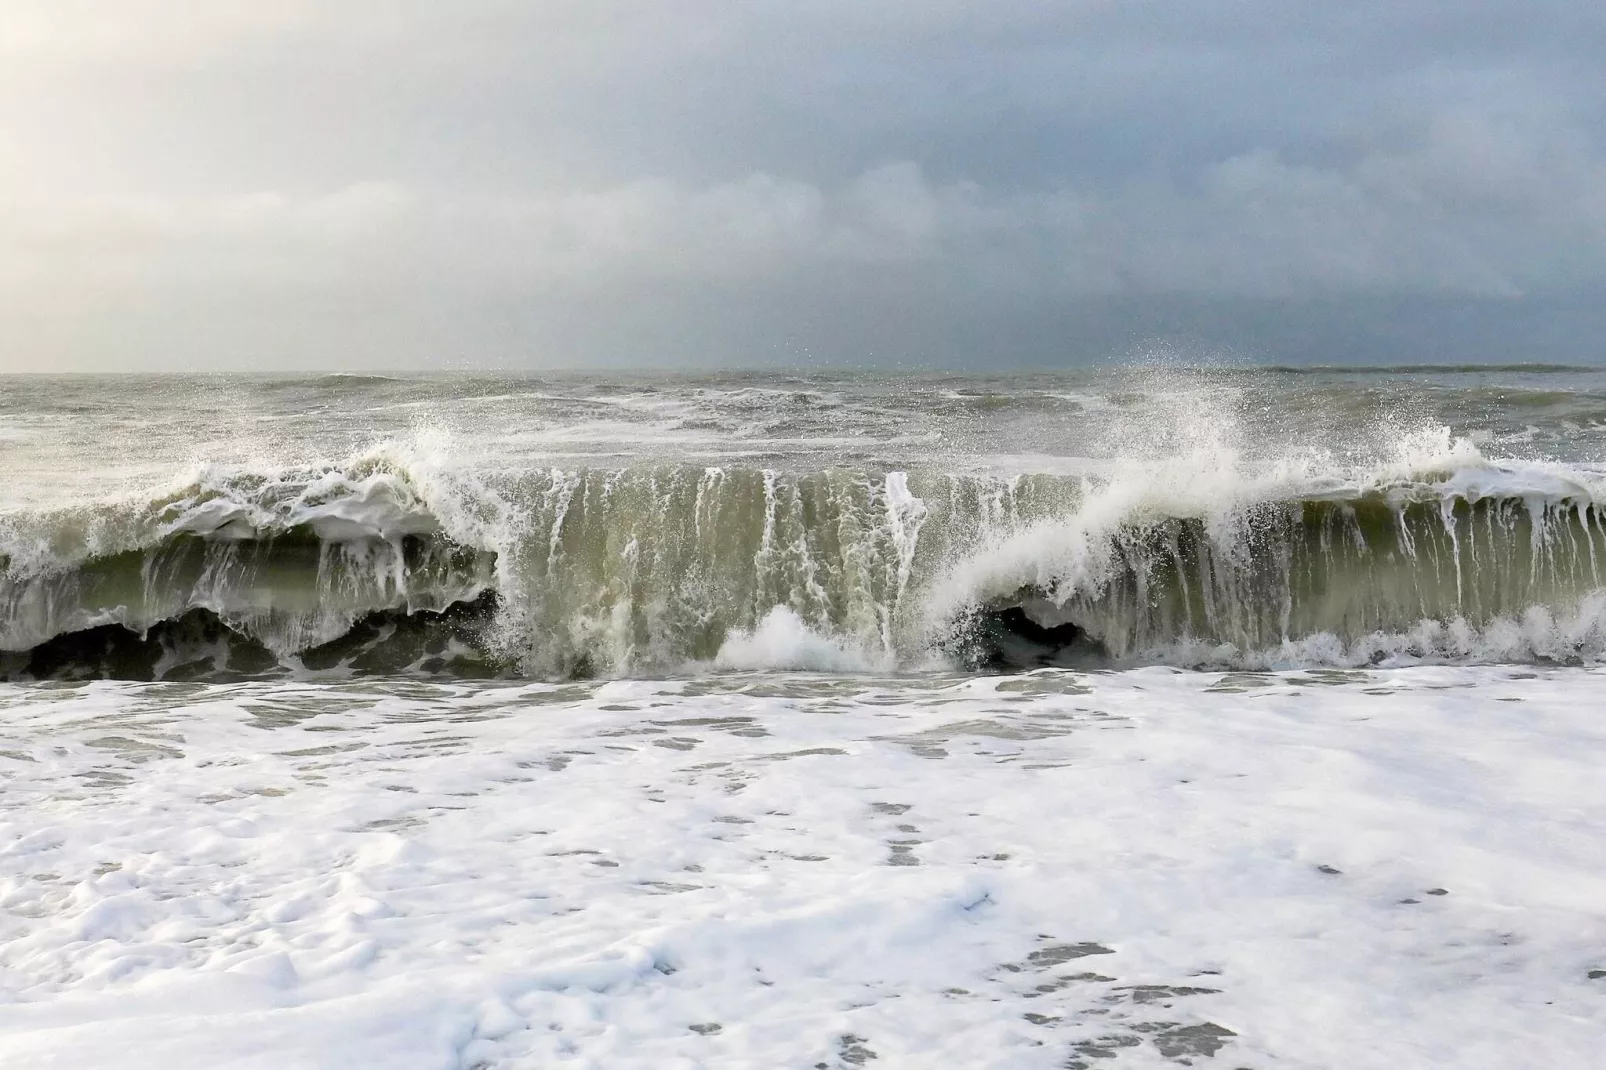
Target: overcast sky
<point>240,184</point>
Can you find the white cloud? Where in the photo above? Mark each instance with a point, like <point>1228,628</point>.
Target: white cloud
<point>1413,219</point>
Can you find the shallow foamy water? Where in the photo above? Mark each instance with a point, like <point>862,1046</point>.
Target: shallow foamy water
<point>1380,868</point>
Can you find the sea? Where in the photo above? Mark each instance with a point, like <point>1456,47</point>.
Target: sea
<point>1148,715</point>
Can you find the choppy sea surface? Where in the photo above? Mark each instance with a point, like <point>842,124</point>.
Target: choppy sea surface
<point>1107,718</point>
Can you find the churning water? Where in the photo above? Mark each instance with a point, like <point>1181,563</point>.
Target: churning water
<point>559,527</point>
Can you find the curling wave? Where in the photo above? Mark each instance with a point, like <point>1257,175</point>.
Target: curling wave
<point>281,562</point>
<point>396,563</point>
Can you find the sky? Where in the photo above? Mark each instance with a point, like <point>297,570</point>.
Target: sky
<point>240,185</point>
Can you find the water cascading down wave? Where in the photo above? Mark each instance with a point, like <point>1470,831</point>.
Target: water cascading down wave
<point>385,565</point>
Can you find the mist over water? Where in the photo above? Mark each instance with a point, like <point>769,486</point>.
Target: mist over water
<point>598,526</point>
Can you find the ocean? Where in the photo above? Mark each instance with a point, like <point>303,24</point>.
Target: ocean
<point>1123,717</point>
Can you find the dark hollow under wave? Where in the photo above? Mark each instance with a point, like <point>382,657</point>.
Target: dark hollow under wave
<point>199,645</point>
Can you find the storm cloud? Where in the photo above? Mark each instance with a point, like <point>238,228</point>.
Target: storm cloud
<point>371,184</point>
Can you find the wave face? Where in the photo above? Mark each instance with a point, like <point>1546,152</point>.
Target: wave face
<point>1192,538</point>
<point>1345,582</point>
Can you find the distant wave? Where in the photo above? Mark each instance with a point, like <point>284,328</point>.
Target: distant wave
<point>336,381</point>
<point>395,561</point>
<point>1430,369</point>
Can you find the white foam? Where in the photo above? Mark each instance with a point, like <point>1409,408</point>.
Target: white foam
<point>782,641</point>
<point>694,874</point>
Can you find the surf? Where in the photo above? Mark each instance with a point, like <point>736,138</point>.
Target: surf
<point>1201,555</point>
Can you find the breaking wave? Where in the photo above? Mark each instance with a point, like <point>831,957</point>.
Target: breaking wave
<point>398,561</point>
